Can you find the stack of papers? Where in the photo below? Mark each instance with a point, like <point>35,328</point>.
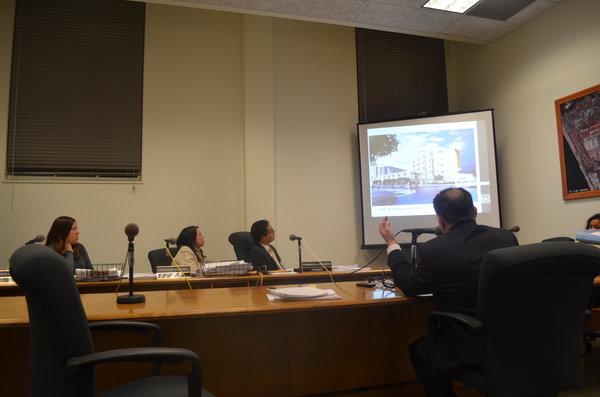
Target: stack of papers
<point>300,293</point>
<point>228,268</point>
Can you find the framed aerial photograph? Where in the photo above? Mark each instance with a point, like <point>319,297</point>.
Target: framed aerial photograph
<point>578,126</point>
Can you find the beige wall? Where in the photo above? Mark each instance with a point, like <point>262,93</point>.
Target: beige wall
<point>520,76</point>
<point>248,117</point>
<point>192,155</point>
<point>244,117</point>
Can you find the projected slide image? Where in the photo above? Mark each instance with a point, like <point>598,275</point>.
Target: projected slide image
<point>408,166</point>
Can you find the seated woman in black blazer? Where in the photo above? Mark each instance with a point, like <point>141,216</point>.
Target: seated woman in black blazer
<point>63,238</point>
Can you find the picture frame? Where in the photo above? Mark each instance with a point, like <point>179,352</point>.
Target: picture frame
<point>578,128</point>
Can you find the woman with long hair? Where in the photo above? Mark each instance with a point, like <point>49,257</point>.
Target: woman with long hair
<point>593,222</point>
<point>190,242</point>
<point>63,238</point>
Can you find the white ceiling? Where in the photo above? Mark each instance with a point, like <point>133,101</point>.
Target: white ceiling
<point>403,16</point>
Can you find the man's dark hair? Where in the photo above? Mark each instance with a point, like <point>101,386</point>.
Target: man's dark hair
<point>259,229</point>
<point>590,219</point>
<point>454,205</point>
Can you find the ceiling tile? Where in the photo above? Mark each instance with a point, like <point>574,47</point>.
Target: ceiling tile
<point>294,7</point>
<point>530,12</point>
<point>228,3</point>
<point>428,20</point>
<point>482,29</point>
<point>401,15</point>
<point>381,14</point>
<point>343,10</point>
<point>406,3</point>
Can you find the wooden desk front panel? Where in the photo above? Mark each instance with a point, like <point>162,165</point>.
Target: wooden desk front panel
<point>249,346</point>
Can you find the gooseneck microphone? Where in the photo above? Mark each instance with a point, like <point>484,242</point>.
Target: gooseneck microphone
<point>514,229</point>
<point>37,239</point>
<point>293,237</point>
<point>131,230</point>
<point>421,230</point>
<point>171,241</point>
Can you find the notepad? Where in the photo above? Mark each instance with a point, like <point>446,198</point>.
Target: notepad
<point>300,293</point>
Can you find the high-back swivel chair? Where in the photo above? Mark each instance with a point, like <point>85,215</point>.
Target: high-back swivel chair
<point>159,257</point>
<point>530,312</point>
<point>62,352</point>
<point>242,243</point>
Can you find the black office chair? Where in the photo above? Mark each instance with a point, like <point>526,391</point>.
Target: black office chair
<point>530,312</point>
<point>159,257</point>
<point>555,239</point>
<point>62,353</point>
<point>242,243</point>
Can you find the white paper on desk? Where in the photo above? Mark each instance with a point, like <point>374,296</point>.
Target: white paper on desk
<point>281,272</point>
<point>142,276</point>
<point>348,268</point>
<point>300,293</point>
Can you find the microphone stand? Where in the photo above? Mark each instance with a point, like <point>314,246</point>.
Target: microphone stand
<point>413,248</point>
<point>130,298</point>
<point>300,255</point>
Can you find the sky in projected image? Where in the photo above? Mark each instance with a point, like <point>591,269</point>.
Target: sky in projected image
<point>411,145</point>
<point>409,165</point>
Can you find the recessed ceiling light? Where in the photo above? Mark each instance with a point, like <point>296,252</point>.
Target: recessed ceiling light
<point>451,5</point>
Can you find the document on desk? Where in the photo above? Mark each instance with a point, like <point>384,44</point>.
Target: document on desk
<point>300,293</point>
<point>349,268</point>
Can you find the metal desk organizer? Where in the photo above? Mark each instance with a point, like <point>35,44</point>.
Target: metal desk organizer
<point>225,268</point>
<point>100,272</point>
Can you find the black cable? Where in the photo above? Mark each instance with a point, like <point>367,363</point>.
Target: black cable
<point>373,260</point>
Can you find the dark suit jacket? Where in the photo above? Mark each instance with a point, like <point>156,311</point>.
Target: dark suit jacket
<point>448,267</point>
<point>259,257</point>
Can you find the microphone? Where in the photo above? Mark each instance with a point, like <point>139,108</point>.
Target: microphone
<point>131,230</point>
<point>514,229</point>
<point>171,241</point>
<point>293,237</point>
<point>421,230</point>
<point>37,239</point>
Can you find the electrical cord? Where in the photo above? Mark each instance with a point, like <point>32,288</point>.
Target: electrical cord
<point>375,257</point>
<point>173,262</point>
<point>122,272</point>
<point>327,270</point>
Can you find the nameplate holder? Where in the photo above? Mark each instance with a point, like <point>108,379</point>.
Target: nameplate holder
<point>314,267</point>
<point>173,269</point>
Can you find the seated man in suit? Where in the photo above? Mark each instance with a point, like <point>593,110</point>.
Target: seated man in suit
<point>263,255</point>
<point>448,267</point>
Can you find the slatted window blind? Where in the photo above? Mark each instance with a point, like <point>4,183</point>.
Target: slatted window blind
<point>399,76</point>
<point>76,88</point>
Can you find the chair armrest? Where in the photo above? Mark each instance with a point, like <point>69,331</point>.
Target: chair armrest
<point>471,324</point>
<point>133,326</point>
<point>130,326</point>
<point>141,354</point>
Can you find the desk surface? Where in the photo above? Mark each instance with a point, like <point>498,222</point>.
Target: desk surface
<point>204,302</point>
<point>11,289</point>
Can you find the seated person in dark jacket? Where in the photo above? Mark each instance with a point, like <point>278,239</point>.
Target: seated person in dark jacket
<point>263,255</point>
<point>448,267</point>
<point>63,238</point>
